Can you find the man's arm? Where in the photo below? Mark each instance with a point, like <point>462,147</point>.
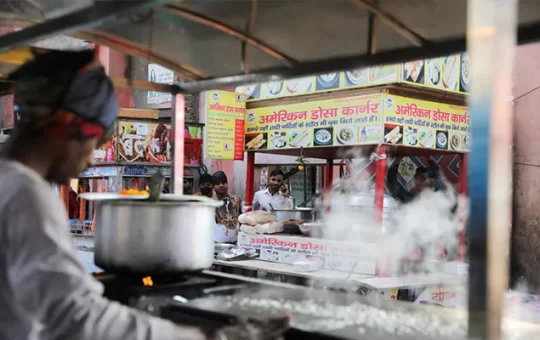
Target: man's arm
<point>50,283</point>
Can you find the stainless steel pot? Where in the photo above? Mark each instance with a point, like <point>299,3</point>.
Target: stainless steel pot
<point>306,214</point>
<point>174,234</point>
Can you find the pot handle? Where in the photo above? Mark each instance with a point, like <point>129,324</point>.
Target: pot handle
<point>157,182</point>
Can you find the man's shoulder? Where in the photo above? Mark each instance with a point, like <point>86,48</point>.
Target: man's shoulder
<point>261,192</point>
<point>16,181</point>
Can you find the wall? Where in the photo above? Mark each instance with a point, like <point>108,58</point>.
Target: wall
<point>526,228</point>
<point>139,70</point>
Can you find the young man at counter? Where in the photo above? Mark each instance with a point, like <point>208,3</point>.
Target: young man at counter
<point>274,194</point>
<point>205,186</point>
<point>227,215</point>
<point>68,106</point>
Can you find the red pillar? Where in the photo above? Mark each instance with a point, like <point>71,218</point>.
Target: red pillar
<point>463,169</point>
<point>248,206</point>
<point>64,195</point>
<point>114,63</point>
<point>380,181</point>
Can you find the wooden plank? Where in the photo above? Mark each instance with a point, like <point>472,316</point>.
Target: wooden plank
<point>138,113</point>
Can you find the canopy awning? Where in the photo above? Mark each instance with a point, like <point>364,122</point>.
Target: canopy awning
<point>205,39</point>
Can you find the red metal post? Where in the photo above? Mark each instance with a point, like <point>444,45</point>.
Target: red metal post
<point>380,181</point>
<point>463,169</point>
<point>249,181</point>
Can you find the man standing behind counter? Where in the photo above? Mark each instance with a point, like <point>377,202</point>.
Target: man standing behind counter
<point>271,197</point>
<point>227,215</point>
<point>205,186</point>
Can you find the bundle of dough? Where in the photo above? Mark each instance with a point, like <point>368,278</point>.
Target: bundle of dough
<point>256,217</point>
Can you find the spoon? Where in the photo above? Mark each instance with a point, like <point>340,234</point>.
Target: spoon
<point>157,181</point>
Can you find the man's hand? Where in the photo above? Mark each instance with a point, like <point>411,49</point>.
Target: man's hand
<point>285,191</point>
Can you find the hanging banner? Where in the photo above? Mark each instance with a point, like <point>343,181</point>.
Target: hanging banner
<point>334,122</point>
<point>450,74</point>
<point>424,124</point>
<point>224,126</point>
<point>322,83</point>
<point>161,75</point>
<point>144,142</point>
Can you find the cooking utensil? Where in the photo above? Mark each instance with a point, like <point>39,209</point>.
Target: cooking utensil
<point>219,247</point>
<point>157,181</point>
<point>305,214</point>
<point>311,228</point>
<point>173,234</point>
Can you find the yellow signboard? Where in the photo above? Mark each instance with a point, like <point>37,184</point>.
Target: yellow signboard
<point>322,83</point>
<point>224,126</point>
<point>333,122</point>
<point>424,124</point>
<point>450,74</point>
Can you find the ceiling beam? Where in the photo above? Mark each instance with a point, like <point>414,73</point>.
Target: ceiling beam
<point>139,50</point>
<point>115,42</point>
<point>392,22</point>
<point>210,22</point>
<point>77,21</point>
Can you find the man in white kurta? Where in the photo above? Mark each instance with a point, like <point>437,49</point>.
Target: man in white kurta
<point>67,105</point>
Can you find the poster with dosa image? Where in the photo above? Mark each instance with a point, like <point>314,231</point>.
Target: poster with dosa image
<point>224,126</point>
<point>334,122</point>
<point>425,124</point>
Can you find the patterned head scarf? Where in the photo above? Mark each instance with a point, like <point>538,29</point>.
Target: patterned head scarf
<point>65,95</point>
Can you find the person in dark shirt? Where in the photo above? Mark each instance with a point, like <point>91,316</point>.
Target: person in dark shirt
<point>424,178</point>
<point>205,186</point>
<point>73,204</point>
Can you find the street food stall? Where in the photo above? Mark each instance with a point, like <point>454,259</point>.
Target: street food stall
<point>272,47</point>
<point>365,112</point>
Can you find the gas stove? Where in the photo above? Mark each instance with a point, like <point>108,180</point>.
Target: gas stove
<point>212,300</point>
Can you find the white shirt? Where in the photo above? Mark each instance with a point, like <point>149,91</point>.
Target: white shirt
<point>263,199</point>
<point>46,293</point>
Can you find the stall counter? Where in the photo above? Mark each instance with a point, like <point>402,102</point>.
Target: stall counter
<point>367,281</point>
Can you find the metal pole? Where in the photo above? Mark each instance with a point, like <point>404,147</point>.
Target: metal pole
<point>491,37</point>
<point>177,164</point>
<point>249,181</point>
<point>373,30</point>
<point>380,181</point>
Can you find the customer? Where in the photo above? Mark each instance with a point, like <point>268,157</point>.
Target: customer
<point>274,194</point>
<point>226,215</point>
<point>205,186</point>
<point>68,106</point>
<point>424,178</point>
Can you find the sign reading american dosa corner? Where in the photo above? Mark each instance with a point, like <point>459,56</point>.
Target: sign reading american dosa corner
<point>425,124</point>
<point>342,121</point>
